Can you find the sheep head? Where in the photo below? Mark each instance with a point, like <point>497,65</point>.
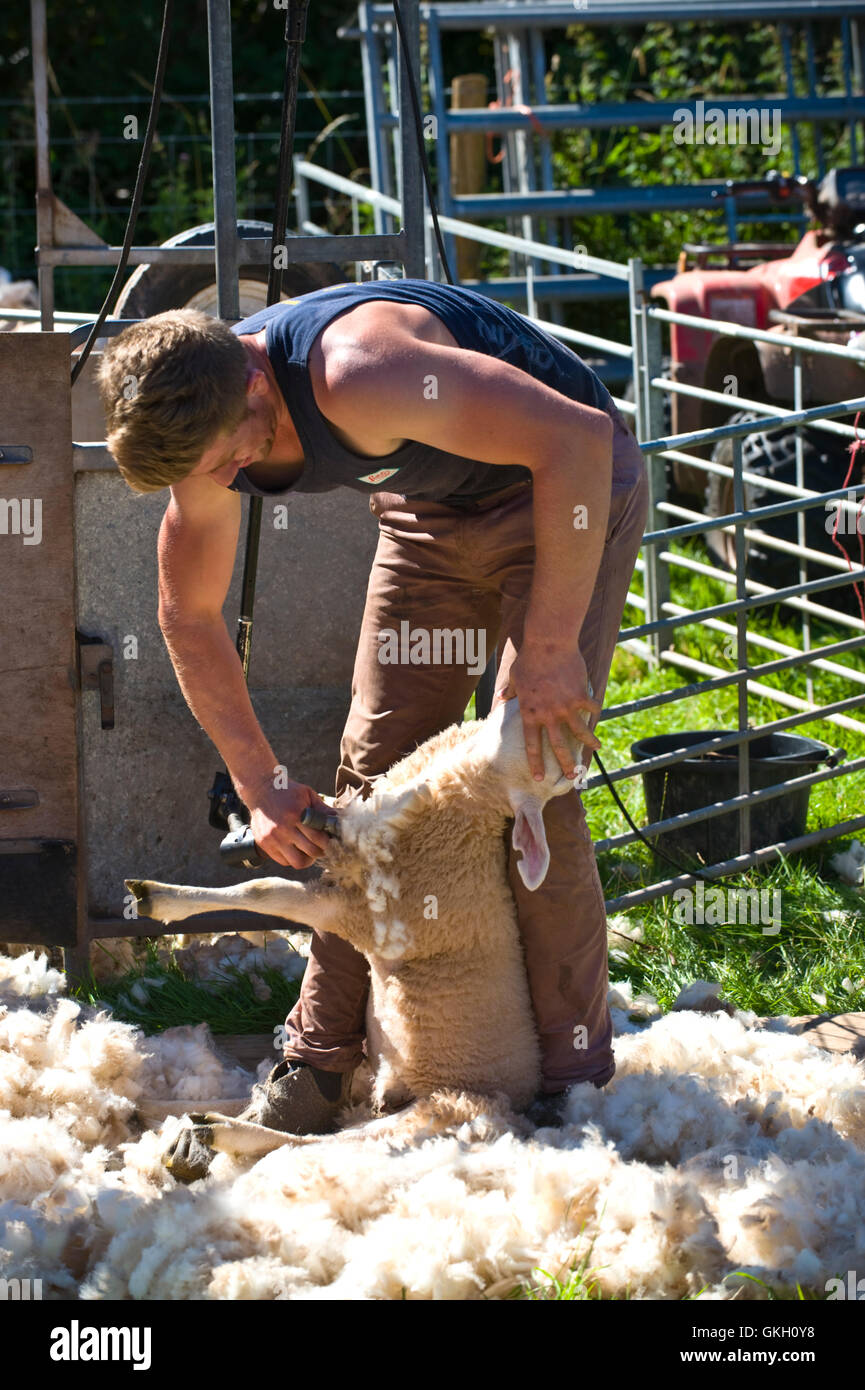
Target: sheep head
<point>502,743</point>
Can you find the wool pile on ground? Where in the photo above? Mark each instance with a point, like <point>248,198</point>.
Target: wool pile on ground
<point>718,1147</point>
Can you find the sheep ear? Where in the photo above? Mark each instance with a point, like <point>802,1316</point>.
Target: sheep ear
<point>530,837</point>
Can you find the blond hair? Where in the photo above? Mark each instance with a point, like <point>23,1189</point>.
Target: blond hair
<point>170,385</point>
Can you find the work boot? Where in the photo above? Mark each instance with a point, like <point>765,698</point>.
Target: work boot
<point>546,1111</point>
<point>299,1099</point>
<point>294,1098</point>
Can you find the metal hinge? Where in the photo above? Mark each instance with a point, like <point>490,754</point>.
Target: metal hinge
<point>96,672</point>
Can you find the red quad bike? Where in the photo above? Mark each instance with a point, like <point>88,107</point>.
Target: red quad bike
<point>817,291</point>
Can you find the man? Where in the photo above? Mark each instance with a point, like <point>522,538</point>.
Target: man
<point>518,506</point>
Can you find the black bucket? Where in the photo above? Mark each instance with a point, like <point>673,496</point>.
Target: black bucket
<point>706,778</point>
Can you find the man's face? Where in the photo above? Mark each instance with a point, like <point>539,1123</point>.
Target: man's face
<point>250,443</point>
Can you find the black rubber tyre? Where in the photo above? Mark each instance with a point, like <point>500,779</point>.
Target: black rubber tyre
<point>153,289</point>
<point>773,456</point>
<point>628,394</point>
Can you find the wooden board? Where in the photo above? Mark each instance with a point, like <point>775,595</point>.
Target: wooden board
<point>248,1049</point>
<point>834,1032</point>
<point>38,659</point>
<point>151,1113</point>
<point>244,1049</point>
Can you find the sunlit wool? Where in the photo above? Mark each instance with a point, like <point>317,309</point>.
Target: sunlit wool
<point>718,1147</point>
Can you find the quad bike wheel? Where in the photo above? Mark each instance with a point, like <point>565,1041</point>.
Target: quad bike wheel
<point>153,289</point>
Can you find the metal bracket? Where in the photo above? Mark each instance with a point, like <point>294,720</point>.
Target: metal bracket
<point>382,270</point>
<point>21,799</point>
<point>96,672</point>
<point>15,453</point>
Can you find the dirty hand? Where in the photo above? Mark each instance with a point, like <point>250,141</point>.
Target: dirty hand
<point>275,823</point>
<point>552,686</point>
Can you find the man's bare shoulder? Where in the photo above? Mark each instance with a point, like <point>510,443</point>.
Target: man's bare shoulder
<point>377,327</point>
<point>368,345</point>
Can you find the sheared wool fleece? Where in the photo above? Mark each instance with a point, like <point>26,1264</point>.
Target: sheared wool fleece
<point>718,1147</point>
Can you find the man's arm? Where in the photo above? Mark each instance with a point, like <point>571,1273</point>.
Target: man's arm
<point>197,545</point>
<point>485,409</point>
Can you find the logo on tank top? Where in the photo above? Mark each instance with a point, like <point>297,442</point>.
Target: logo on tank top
<point>379,476</point>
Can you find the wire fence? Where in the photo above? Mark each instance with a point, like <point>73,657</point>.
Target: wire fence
<point>94,162</point>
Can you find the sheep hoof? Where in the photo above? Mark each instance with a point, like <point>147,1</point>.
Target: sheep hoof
<point>139,888</point>
<point>189,1156</point>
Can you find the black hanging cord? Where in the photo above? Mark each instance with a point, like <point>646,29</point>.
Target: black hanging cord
<point>691,873</point>
<point>295,27</point>
<point>225,805</point>
<point>295,32</point>
<point>418,125</point>
<point>140,179</point>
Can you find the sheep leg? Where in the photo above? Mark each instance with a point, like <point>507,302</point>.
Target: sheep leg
<point>281,897</point>
<point>190,1153</point>
<point>421,1119</point>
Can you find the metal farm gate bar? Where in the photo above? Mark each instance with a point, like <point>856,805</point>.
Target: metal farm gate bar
<point>522,117</point>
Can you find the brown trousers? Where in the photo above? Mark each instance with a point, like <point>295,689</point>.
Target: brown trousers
<point>439,567</point>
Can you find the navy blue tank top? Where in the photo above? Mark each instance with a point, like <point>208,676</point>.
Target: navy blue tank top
<point>415,470</point>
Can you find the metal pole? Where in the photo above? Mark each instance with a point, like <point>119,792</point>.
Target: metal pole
<point>295,28</point>
<point>222,144</point>
<point>801,533</point>
<point>225,243</point>
<point>375,109</point>
<point>742,650</point>
<point>44,198</point>
<point>412,190</point>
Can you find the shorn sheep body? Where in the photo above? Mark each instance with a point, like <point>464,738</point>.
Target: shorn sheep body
<point>417,882</point>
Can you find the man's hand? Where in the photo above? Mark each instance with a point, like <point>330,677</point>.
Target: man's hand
<point>275,822</point>
<point>552,686</point>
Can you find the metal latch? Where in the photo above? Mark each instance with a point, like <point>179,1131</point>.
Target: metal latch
<point>96,672</point>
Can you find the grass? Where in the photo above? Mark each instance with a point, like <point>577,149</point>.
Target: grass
<point>158,995</point>
<point>575,1282</point>
<point>580,1285</point>
<point>820,947</point>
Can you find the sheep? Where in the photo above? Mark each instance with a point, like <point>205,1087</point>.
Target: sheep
<point>417,882</point>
